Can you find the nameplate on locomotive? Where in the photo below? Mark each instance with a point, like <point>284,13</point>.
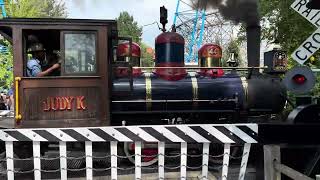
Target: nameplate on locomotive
<point>64,103</point>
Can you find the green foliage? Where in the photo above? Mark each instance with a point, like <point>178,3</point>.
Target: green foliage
<point>6,64</point>
<point>146,58</point>
<point>232,47</point>
<point>279,20</point>
<point>36,8</point>
<point>27,9</point>
<point>55,9</point>
<point>128,27</point>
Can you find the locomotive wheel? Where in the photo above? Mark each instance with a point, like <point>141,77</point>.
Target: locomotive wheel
<point>145,161</point>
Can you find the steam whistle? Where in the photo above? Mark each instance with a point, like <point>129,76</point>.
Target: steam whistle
<point>163,18</point>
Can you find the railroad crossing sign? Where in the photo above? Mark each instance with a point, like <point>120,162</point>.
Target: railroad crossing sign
<point>312,44</point>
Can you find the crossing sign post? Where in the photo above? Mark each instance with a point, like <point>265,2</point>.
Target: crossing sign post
<point>312,44</point>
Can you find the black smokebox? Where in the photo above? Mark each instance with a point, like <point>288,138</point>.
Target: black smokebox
<point>253,45</point>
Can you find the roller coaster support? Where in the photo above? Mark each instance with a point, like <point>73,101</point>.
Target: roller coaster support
<point>3,9</point>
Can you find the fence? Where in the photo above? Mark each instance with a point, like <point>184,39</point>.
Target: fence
<point>273,167</point>
<point>205,135</point>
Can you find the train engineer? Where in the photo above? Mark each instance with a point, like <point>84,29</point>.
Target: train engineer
<point>34,68</point>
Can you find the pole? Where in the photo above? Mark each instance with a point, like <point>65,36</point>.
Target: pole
<point>203,18</point>
<point>177,13</point>
<point>3,9</point>
<point>193,38</point>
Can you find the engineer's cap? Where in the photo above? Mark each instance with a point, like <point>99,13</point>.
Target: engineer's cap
<point>36,47</point>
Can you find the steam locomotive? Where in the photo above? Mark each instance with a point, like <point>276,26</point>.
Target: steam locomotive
<point>205,94</point>
<point>101,82</point>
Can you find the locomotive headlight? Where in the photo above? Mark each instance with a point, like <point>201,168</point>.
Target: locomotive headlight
<point>299,79</point>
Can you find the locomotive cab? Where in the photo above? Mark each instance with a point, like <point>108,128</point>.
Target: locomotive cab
<point>75,94</point>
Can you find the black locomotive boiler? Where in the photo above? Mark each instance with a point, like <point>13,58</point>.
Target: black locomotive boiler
<point>205,94</point>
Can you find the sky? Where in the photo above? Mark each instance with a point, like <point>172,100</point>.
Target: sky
<point>143,11</point>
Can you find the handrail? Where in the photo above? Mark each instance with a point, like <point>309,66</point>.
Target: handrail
<point>18,116</point>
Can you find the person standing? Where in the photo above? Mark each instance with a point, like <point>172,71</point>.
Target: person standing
<point>2,104</point>
<point>10,100</point>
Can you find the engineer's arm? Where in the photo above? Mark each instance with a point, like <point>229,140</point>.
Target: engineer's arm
<point>40,73</point>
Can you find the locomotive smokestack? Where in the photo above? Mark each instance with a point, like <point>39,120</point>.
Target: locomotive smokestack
<point>253,45</point>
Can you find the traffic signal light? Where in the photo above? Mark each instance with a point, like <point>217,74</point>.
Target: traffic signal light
<point>313,4</point>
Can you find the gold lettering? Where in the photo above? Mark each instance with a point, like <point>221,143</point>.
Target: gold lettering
<point>62,103</point>
<point>46,105</point>
<point>69,101</point>
<point>80,103</point>
<point>54,104</point>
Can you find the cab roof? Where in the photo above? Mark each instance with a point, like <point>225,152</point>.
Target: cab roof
<point>7,24</point>
<point>55,21</point>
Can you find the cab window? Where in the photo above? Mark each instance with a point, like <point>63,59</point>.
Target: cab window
<point>80,53</point>
<point>47,44</point>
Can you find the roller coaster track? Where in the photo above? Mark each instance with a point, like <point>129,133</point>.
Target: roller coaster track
<point>3,8</point>
<point>199,27</point>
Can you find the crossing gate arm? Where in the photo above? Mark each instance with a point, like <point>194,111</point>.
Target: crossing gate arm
<point>226,134</point>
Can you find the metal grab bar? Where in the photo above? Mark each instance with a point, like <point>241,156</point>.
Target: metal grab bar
<point>18,116</point>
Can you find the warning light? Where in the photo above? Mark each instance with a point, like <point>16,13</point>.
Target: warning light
<point>299,79</point>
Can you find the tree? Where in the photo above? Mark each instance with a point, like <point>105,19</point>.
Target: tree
<point>128,27</point>
<point>36,8</point>
<point>55,9</point>
<point>146,57</point>
<point>28,9</point>
<point>232,47</point>
<point>6,61</point>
